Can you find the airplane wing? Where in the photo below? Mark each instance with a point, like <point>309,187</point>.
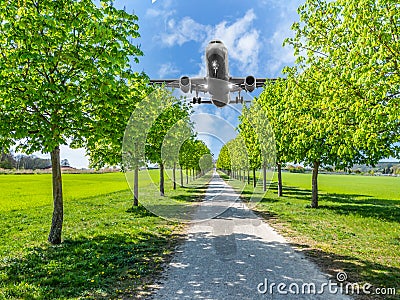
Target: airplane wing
<point>240,81</point>
<point>198,84</point>
<point>174,83</point>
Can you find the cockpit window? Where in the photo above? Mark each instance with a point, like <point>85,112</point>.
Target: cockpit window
<point>216,42</point>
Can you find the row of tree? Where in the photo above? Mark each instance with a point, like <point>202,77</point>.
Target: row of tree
<point>242,155</point>
<point>160,131</point>
<point>339,104</point>
<point>66,78</point>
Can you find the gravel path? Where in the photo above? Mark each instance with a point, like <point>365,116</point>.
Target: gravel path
<point>236,256</point>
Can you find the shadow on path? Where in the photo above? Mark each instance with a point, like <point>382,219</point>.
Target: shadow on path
<point>236,255</point>
<point>367,206</point>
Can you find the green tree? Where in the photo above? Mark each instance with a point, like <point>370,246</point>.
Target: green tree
<point>195,156</point>
<point>206,162</point>
<point>202,157</point>
<point>177,111</point>
<point>355,45</point>
<point>318,135</point>
<point>264,137</point>
<point>186,157</point>
<point>276,108</point>
<point>113,113</point>
<point>249,134</point>
<point>113,125</point>
<point>7,159</point>
<point>224,160</point>
<point>60,61</point>
<point>239,158</point>
<point>172,144</point>
<point>347,83</point>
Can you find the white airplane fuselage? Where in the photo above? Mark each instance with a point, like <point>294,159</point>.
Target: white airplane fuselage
<point>218,72</point>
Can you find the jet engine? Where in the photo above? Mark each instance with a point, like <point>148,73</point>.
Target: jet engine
<point>250,83</point>
<point>184,84</point>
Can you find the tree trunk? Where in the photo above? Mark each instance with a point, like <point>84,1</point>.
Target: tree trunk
<point>314,201</point>
<point>136,187</point>
<point>264,178</point>
<point>174,176</point>
<point>248,176</point>
<point>181,176</point>
<point>162,179</point>
<point>254,178</point>
<point>58,211</point>
<point>280,191</point>
<point>187,176</point>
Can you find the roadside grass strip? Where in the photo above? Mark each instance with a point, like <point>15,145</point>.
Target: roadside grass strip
<point>356,229</point>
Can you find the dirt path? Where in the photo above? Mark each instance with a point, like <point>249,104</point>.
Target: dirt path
<point>236,255</point>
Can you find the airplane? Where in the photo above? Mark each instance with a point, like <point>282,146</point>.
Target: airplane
<point>218,83</point>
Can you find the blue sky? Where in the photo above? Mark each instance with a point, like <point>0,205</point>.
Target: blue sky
<point>173,38</point>
<point>174,35</point>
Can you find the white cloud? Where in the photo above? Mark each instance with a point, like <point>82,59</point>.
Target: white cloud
<point>213,127</point>
<point>280,56</point>
<point>168,69</point>
<point>241,39</point>
<point>153,13</point>
<point>162,11</point>
<point>283,6</point>
<point>216,126</point>
<point>184,31</point>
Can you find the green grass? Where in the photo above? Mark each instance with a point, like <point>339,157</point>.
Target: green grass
<point>27,191</point>
<point>379,187</point>
<point>109,249</point>
<point>356,229</point>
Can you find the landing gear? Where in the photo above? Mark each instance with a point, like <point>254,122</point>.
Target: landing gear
<point>239,100</point>
<point>196,100</point>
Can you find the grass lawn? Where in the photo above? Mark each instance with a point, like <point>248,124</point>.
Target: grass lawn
<point>109,249</point>
<point>356,229</point>
<point>27,191</point>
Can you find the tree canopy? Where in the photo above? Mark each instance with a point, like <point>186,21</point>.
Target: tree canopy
<point>339,103</point>
<point>63,65</point>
